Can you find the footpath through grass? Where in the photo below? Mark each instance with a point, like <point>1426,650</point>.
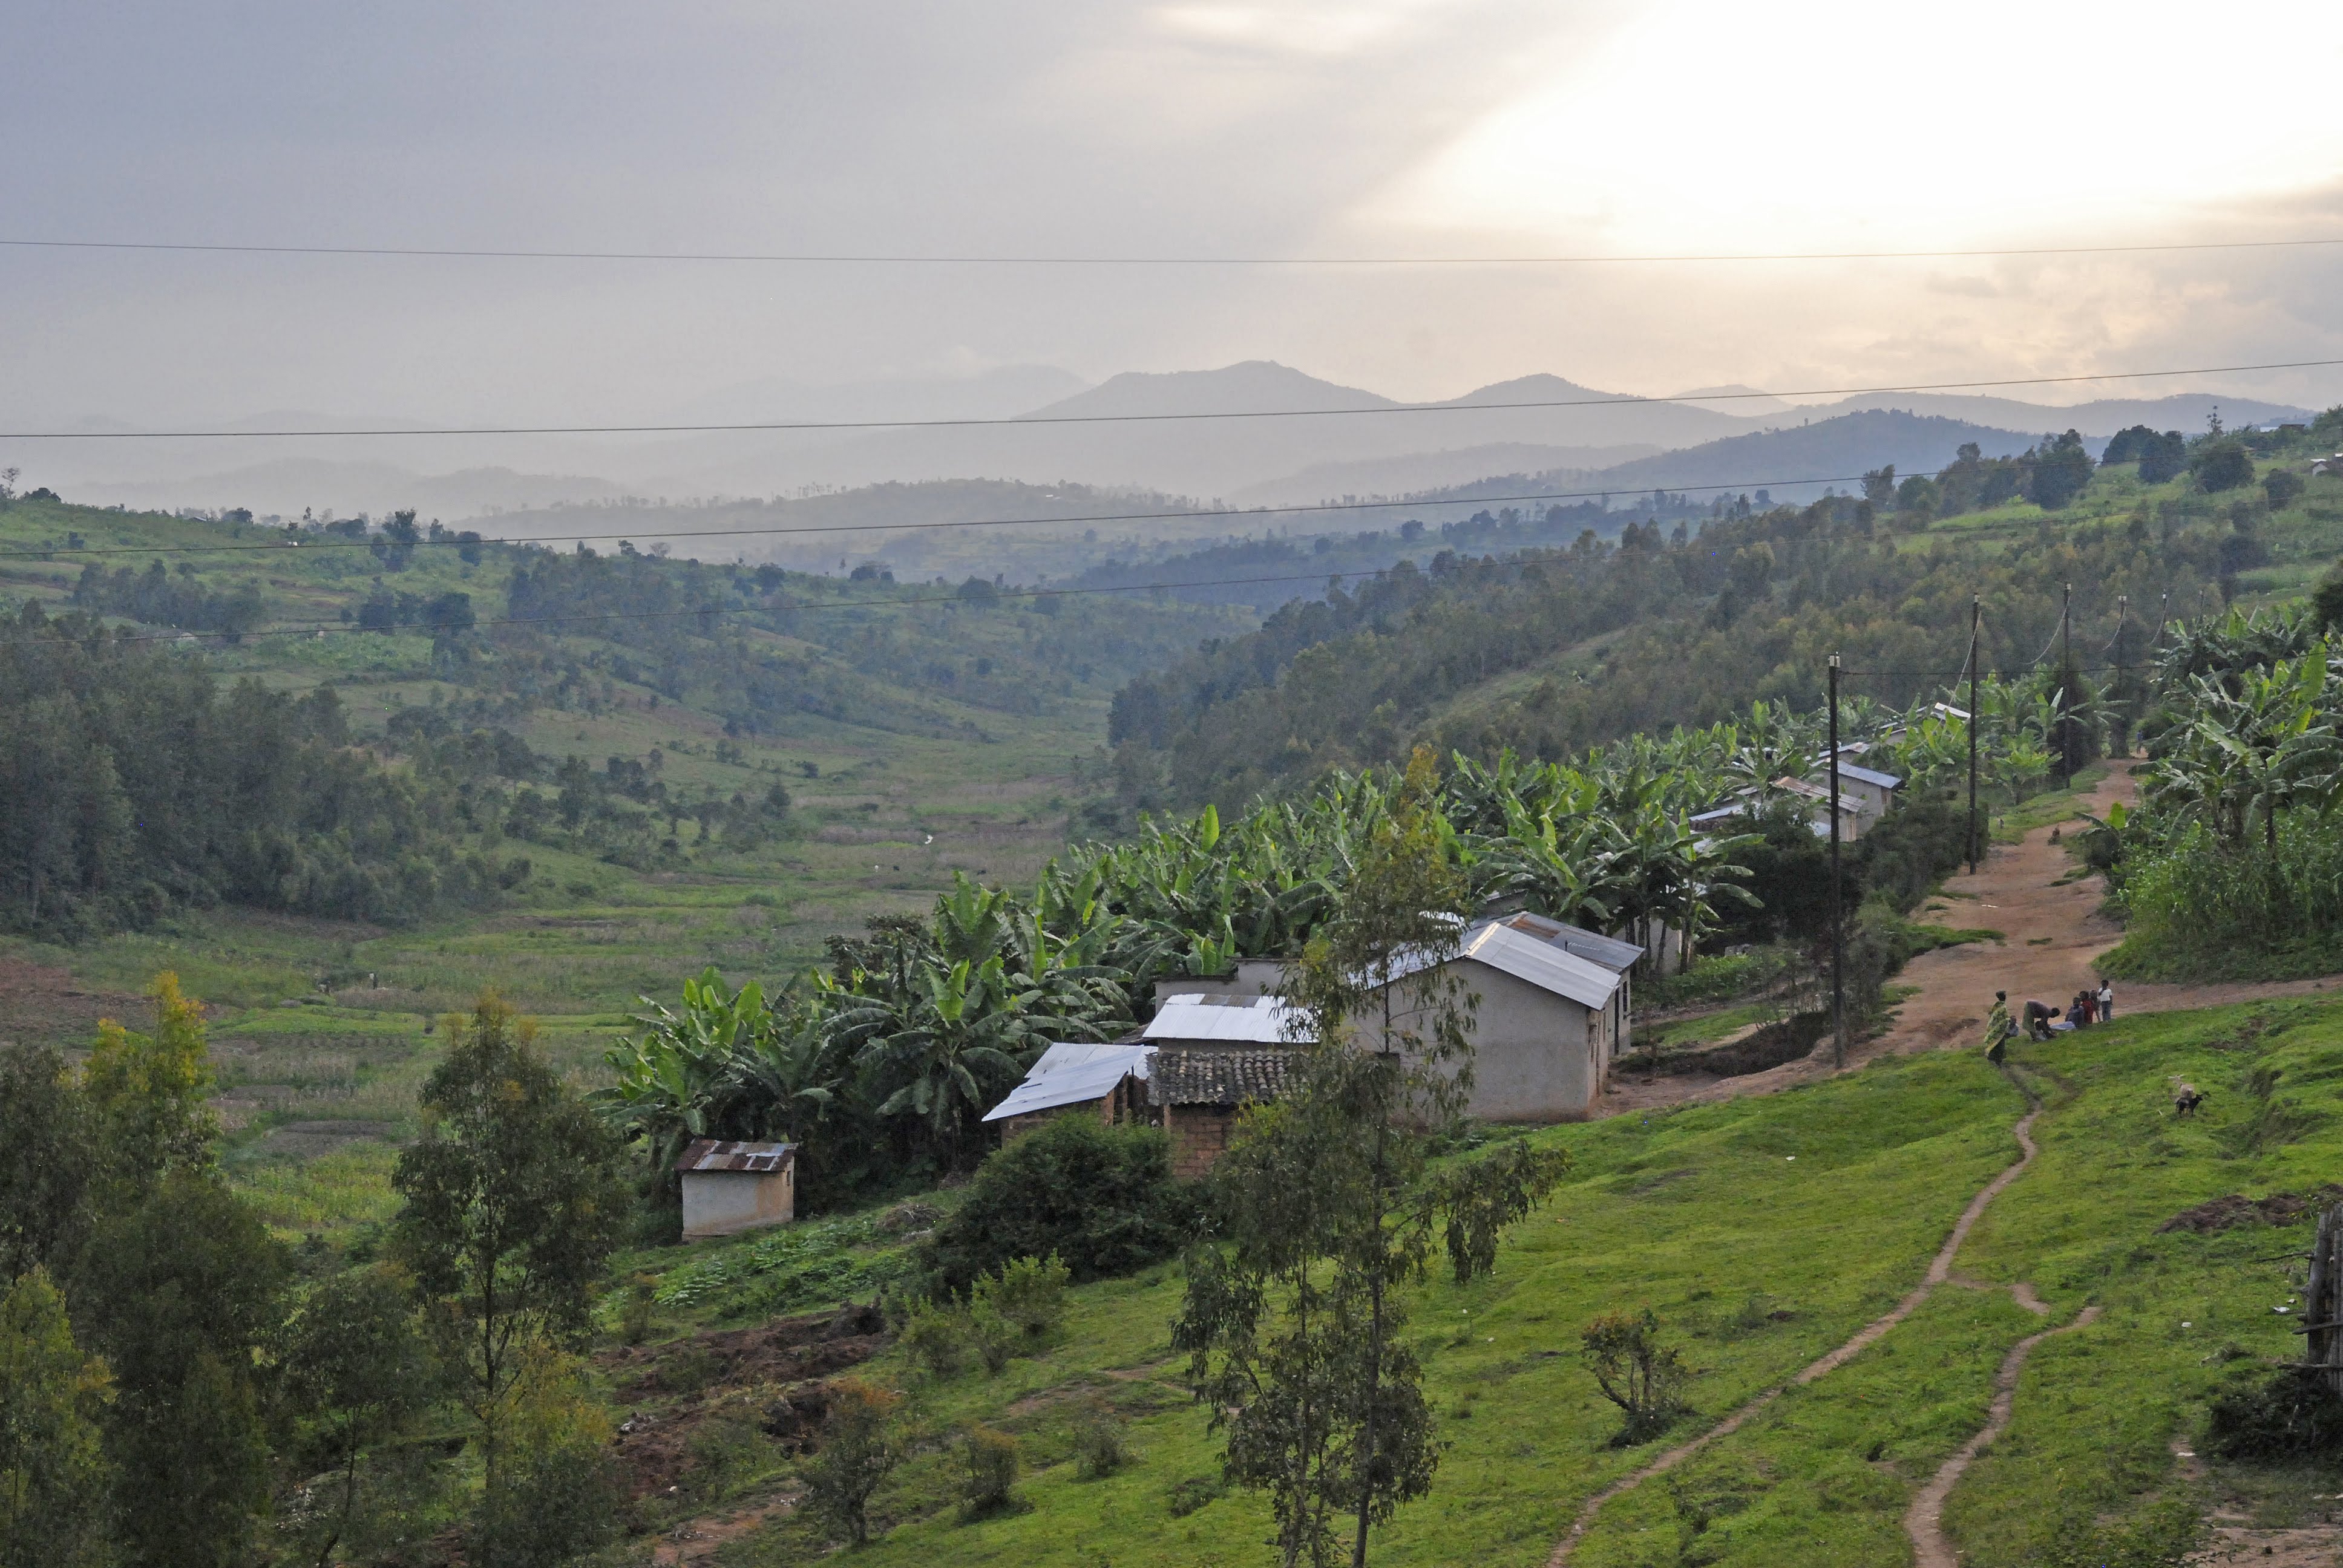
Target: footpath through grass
<point>1764,1232</point>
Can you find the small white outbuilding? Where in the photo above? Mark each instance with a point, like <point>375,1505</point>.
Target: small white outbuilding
<point>734,1187</point>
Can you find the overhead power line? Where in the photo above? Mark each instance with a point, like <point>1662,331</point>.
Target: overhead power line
<point>884,258</point>
<point>1033,420</point>
<point>315,542</point>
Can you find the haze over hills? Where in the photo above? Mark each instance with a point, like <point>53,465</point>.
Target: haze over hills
<point>1300,456</point>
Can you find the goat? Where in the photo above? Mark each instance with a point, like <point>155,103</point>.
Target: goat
<point>2187,1099</point>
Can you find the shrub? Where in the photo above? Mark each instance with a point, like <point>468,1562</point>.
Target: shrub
<point>989,1471</point>
<point>1029,1292</point>
<point>1643,1378</point>
<point>1099,1198</point>
<point>641,1307</point>
<point>857,1451</point>
<point>1100,1449</point>
<point>2290,1415</point>
<point>994,1337</point>
<point>935,1337</point>
<point>1187,1496</point>
<point>2283,486</point>
<point>554,1495</point>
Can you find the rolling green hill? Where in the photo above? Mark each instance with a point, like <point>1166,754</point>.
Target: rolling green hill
<point>1549,651</point>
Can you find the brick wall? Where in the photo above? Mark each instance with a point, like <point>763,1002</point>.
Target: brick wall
<point>1200,1135</point>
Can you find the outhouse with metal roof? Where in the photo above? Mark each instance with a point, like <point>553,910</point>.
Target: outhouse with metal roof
<point>729,1187</point>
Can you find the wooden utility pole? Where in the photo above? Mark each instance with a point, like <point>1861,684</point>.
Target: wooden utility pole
<point>1976,613</point>
<point>1838,933</point>
<point>2065,698</point>
<point>2123,612</point>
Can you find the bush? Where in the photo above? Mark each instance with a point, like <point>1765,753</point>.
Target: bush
<point>555,1495</point>
<point>857,1451</point>
<point>1029,1292</point>
<point>935,1337</point>
<point>1642,1377</point>
<point>989,1471</point>
<point>1100,1449</point>
<point>2200,905</point>
<point>2283,486</point>
<point>994,1337</point>
<point>2291,1415</point>
<point>1099,1198</point>
<point>1187,1496</point>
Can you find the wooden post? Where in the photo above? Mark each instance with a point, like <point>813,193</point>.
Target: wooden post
<point>1838,935</point>
<point>2322,1302</point>
<point>1977,612</point>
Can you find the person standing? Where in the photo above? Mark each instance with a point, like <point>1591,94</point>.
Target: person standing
<point>1998,1028</point>
<point>2106,1000</point>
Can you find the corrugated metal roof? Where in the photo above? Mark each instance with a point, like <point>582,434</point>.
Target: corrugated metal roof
<point>1549,967</point>
<point>756,1159</point>
<point>1209,1076</point>
<point>1609,951</point>
<point>1236,1020</point>
<point>1883,780</point>
<point>1071,1073</point>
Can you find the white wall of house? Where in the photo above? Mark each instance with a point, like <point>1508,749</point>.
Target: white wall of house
<point>1537,1056</point>
<point>722,1203</point>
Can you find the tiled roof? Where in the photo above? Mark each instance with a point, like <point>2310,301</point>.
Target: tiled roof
<point>1218,1076</point>
<point>714,1154</point>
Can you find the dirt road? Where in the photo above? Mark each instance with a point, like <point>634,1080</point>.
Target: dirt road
<point>2052,934</point>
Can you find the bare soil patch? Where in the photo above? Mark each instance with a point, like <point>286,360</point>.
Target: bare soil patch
<point>43,1005</point>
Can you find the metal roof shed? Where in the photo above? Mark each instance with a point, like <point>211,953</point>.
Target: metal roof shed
<point>1073,1072</point>
<point>729,1187</point>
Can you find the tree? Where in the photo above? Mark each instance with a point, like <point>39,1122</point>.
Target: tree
<point>147,1092</point>
<point>2222,464</point>
<point>1879,485</point>
<point>1292,1322</point>
<point>514,1202</point>
<point>53,1474</point>
<point>2058,470</point>
<point>45,1141</point>
<point>357,1371</point>
<point>178,1293</point>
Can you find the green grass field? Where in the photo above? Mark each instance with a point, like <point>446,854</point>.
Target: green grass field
<point>1763,1232</point>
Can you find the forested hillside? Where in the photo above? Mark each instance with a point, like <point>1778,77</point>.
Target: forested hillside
<point>1552,650</point>
<point>385,721</point>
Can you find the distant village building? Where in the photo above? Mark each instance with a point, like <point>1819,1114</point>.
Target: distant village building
<point>1216,1052</point>
<point>1106,1080</point>
<point>1552,1015</point>
<point>733,1187</point>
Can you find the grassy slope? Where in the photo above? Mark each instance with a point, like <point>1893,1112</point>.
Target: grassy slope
<point>1758,1261</point>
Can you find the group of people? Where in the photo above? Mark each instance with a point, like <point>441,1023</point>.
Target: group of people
<point>2042,1021</point>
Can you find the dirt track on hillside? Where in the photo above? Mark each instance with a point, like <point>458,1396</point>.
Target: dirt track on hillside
<point>2051,936</point>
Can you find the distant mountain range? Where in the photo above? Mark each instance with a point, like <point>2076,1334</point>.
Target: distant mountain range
<point>1320,441</point>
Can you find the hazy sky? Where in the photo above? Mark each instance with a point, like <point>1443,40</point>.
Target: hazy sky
<point>1024,127</point>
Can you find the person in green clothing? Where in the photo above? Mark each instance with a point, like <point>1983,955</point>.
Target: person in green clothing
<point>1997,1027</point>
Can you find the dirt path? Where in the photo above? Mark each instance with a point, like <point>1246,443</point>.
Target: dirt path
<point>1923,1522</point>
<point>697,1541</point>
<point>1940,1270</point>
